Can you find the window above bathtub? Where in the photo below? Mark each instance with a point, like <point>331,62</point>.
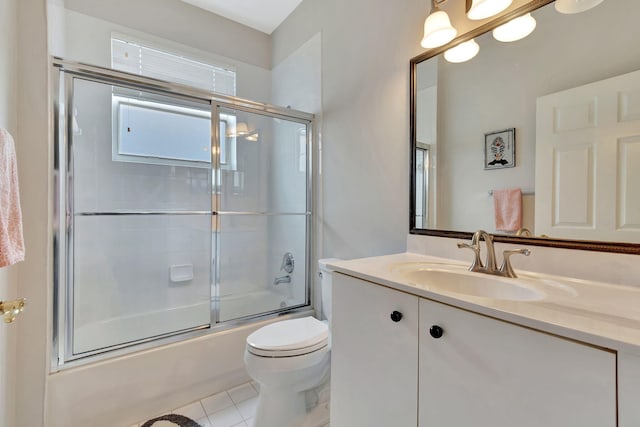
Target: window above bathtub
<point>147,128</point>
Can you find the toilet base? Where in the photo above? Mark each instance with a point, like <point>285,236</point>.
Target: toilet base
<point>284,385</point>
<point>280,408</point>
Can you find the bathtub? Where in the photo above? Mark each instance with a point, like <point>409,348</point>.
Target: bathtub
<point>124,390</point>
<point>138,326</point>
<point>246,304</point>
<point>125,329</point>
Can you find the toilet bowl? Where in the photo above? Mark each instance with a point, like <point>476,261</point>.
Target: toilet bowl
<point>288,359</point>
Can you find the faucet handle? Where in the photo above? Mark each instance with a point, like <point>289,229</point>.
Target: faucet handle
<point>288,263</point>
<point>505,268</point>
<point>476,265</point>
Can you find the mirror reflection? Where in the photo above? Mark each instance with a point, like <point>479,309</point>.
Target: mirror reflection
<point>554,117</point>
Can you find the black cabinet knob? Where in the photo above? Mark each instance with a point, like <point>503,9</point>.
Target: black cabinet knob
<point>396,316</point>
<point>436,331</point>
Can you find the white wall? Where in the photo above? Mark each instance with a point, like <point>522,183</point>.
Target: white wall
<point>8,275</point>
<point>558,55</point>
<point>296,80</point>
<point>366,47</point>
<point>56,27</point>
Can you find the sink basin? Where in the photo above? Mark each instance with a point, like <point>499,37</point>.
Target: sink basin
<point>451,277</point>
<point>472,284</point>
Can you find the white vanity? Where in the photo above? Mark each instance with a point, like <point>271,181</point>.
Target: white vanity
<point>420,341</point>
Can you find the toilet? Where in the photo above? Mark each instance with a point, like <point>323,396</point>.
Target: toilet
<point>290,358</point>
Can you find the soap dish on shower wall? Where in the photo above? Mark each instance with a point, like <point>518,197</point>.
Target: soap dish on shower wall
<point>181,273</point>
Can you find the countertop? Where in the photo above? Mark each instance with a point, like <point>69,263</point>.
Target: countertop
<point>596,313</point>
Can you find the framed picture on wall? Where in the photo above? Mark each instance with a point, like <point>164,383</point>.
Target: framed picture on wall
<point>500,149</point>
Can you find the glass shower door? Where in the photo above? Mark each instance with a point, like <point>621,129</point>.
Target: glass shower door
<point>140,209</point>
<point>263,216</point>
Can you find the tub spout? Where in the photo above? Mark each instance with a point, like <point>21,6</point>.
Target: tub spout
<point>282,279</point>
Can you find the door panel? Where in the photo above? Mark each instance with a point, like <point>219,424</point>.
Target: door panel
<point>586,159</point>
<point>487,373</point>
<point>262,214</point>
<point>374,362</point>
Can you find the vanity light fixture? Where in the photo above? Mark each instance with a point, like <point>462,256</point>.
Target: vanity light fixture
<point>438,30</point>
<point>462,52</point>
<point>482,9</point>
<point>576,6</point>
<point>516,29</point>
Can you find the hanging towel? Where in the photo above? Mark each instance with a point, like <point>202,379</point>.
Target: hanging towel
<point>507,204</point>
<point>11,240</point>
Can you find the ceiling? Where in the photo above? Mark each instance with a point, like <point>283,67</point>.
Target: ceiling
<point>262,15</point>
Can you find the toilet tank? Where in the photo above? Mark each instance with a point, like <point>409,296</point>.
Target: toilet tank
<point>326,274</point>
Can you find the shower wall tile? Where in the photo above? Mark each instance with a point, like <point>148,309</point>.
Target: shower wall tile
<point>243,248</point>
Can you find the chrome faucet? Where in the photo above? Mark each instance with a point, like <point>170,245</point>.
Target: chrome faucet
<point>477,264</point>
<point>282,279</point>
<point>490,267</point>
<point>506,269</point>
<point>524,232</point>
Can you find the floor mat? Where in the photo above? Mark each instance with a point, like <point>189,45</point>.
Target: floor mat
<point>179,420</point>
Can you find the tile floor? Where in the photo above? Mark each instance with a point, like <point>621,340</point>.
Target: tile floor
<point>235,407</point>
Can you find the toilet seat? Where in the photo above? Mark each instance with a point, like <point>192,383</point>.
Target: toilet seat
<point>289,338</point>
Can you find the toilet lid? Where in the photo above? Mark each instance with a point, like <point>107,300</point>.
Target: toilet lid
<point>289,337</point>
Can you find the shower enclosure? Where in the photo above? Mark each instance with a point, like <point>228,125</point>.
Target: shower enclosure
<point>178,211</point>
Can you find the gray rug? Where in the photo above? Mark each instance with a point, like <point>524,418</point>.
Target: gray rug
<point>179,420</point>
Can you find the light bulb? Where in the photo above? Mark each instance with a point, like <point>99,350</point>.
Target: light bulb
<point>576,6</point>
<point>516,29</point>
<point>437,30</point>
<point>462,52</point>
<point>482,9</point>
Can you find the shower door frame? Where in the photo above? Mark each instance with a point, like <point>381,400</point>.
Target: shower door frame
<point>63,73</point>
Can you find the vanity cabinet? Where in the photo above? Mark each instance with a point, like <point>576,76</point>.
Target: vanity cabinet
<point>441,366</point>
<point>374,358</point>
<point>484,372</point>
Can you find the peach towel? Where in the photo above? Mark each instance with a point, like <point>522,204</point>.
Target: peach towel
<point>507,204</point>
<point>11,239</point>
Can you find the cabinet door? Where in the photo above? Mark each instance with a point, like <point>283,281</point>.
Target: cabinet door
<point>374,360</point>
<point>487,373</point>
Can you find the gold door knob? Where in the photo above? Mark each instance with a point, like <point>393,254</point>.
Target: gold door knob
<point>10,309</point>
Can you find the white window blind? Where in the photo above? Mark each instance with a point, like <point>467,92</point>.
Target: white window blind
<point>135,58</point>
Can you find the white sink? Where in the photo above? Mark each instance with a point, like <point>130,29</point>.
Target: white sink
<point>473,284</point>
<point>456,279</point>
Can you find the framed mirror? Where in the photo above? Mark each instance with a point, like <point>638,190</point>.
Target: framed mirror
<point>558,114</point>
